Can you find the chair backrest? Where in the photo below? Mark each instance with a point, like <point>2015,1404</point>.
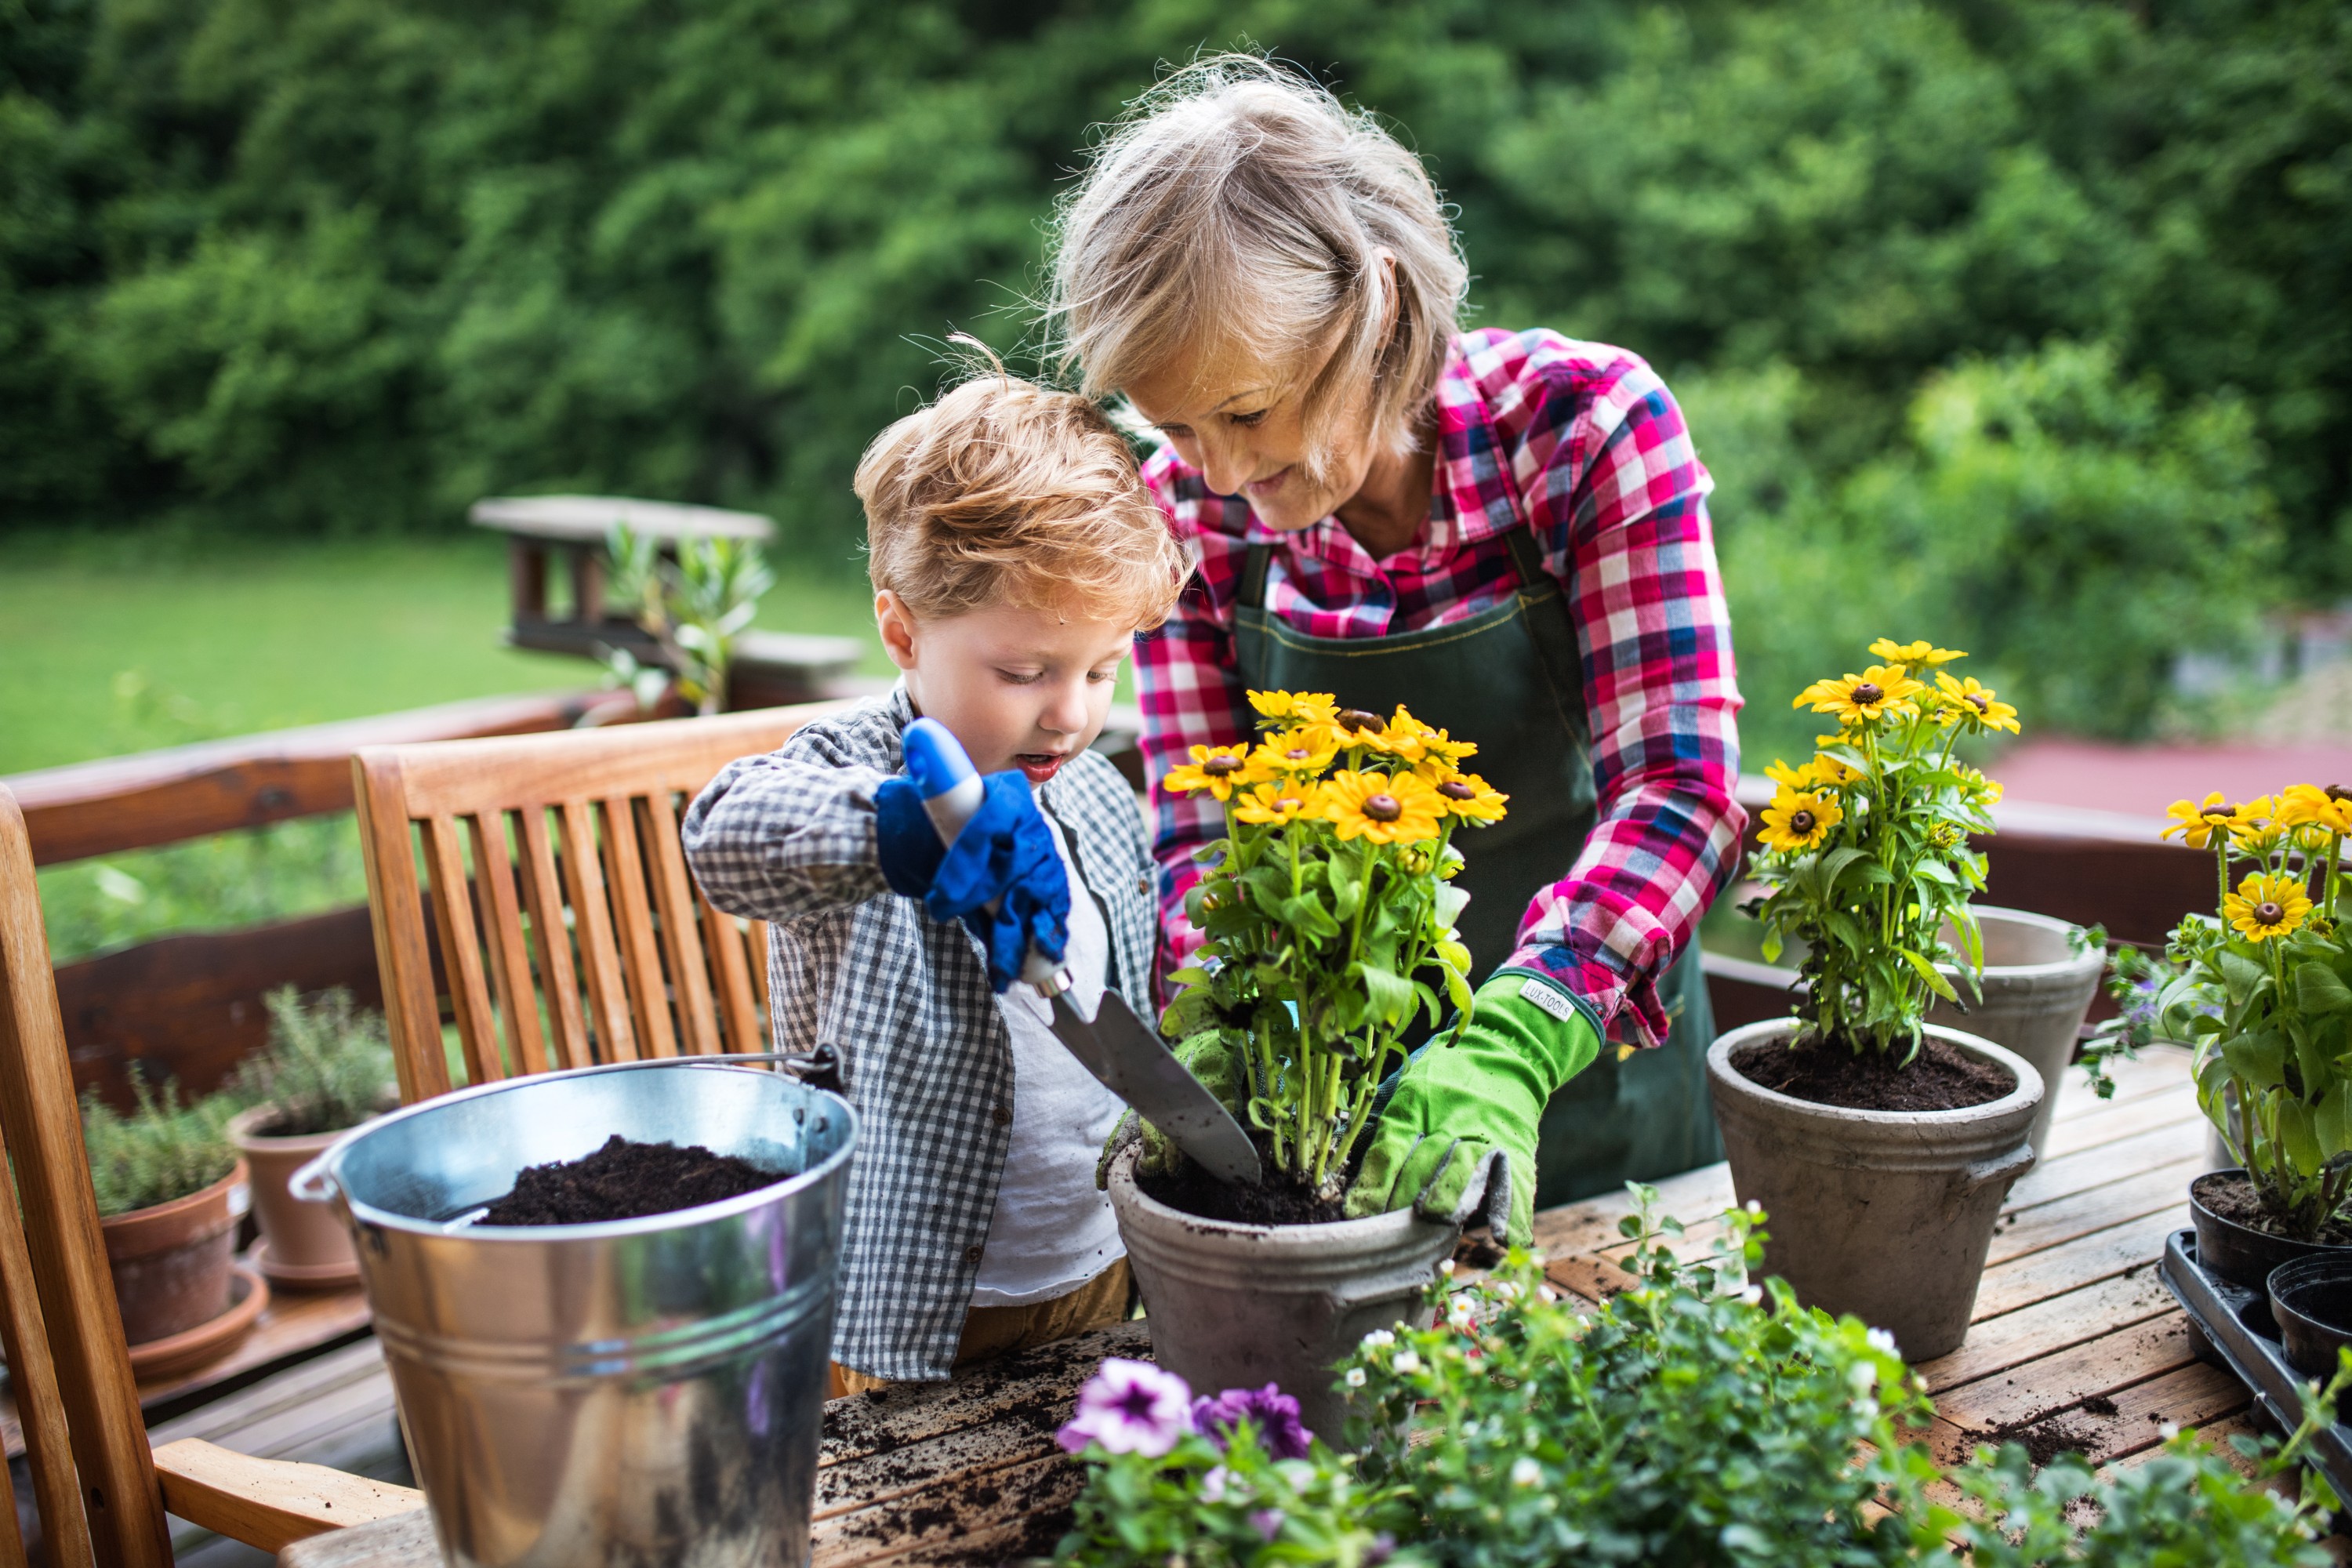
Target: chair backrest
<point>570,932</point>
<point>94,1479</point>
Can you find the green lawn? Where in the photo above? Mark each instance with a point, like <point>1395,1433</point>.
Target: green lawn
<point>123,643</point>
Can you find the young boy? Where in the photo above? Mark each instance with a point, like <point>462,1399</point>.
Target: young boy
<point>1015,556</point>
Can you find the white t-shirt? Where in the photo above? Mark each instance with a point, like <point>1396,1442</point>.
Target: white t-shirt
<point>1053,1231</point>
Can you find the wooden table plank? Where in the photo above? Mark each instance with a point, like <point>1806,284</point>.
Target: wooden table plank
<point>2062,1219</point>
<point>2059,1322</point>
<point>2191,1395</point>
<point>2120,1249</point>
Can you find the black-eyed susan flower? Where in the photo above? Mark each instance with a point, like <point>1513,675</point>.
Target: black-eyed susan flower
<point>1821,772</point>
<point>1962,698</point>
<point>1983,790</point>
<point>1470,798</point>
<point>1220,770</point>
<point>2265,908</point>
<point>2255,830</point>
<point>1280,802</point>
<point>1299,752</point>
<point>1913,655</point>
<point>2328,807</point>
<point>1387,809</point>
<point>1295,707</point>
<point>1877,692</point>
<point>2197,824</point>
<point>1799,819</point>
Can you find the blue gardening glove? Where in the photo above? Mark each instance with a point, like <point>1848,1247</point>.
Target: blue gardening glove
<point>1004,855</point>
<point>1463,1113</point>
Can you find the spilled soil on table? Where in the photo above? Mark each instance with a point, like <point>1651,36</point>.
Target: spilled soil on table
<point>1940,1078</point>
<point>625,1180</point>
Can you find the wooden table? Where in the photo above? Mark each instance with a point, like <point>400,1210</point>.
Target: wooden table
<point>2074,1341</point>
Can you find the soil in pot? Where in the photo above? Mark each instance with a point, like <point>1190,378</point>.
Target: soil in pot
<point>1196,1192</point>
<point>2231,1196</point>
<point>1941,1078</point>
<point>625,1180</point>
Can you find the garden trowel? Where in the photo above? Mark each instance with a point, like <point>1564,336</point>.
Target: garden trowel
<point>1124,1056</point>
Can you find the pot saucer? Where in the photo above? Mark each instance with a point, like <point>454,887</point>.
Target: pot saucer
<point>249,1293</point>
<point>302,1276</point>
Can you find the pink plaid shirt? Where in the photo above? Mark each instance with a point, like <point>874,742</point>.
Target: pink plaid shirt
<point>1601,466</point>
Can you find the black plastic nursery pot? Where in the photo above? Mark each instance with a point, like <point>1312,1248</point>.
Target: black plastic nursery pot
<point>2310,1299</point>
<point>2240,1253</point>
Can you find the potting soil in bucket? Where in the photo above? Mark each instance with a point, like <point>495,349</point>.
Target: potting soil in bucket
<point>640,1392</point>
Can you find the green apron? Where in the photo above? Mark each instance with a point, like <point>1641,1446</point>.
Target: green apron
<point>1510,680</point>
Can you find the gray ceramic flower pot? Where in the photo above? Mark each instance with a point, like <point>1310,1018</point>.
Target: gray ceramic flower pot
<point>2036,990</point>
<point>1886,1215</point>
<point>1241,1306</point>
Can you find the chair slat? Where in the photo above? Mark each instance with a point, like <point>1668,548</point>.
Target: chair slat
<point>722,936</point>
<point>411,1012</point>
<point>543,896</point>
<point>41,1120</point>
<point>681,932</point>
<point>461,952</point>
<point>510,958</point>
<point>624,869</point>
<point>608,999</point>
<point>40,1409</point>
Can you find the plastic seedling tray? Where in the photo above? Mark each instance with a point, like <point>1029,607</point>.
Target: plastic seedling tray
<point>2235,1330</point>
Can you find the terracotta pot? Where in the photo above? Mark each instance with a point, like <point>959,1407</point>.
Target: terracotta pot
<point>1886,1215</point>
<point>2240,1253</point>
<point>307,1243</point>
<point>171,1263</point>
<point>2037,989</point>
<point>1241,1306</point>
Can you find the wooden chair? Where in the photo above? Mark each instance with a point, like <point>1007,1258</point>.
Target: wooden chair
<point>100,1493</point>
<point>568,931</point>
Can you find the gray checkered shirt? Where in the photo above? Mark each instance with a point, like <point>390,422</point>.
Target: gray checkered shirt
<point>789,837</point>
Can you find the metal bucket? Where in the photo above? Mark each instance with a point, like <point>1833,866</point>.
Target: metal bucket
<point>643,1391</point>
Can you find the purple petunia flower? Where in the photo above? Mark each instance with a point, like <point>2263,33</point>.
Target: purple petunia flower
<point>1274,1413</point>
<point>1129,1407</point>
<point>1267,1522</point>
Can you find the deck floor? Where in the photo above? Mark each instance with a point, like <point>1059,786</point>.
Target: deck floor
<point>2072,1333</point>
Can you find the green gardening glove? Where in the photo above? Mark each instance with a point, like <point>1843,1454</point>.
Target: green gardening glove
<point>1207,1057</point>
<point>1464,1115</point>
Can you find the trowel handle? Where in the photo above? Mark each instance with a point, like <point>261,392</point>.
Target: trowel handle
<point>952,791</point>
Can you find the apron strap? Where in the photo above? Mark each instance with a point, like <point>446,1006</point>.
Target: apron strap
<point>1554,635</point>
<point>1253,587</point>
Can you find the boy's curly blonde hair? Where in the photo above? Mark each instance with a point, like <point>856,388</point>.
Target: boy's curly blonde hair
<point>1005,493</point>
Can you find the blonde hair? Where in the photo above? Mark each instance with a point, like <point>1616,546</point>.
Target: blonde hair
<point>1004,493</point>
<point>1239,204</point>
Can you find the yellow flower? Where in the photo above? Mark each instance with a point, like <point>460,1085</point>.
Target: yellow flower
<point>1294,707</point>
<point>1799,819</point>
<point>1437,746</point>
<point>2252,829</point>
<point>1821,772</point>
<point>1987,791</point>
<point>1220,770</point>
<point>2309,805</point>
<point>1913,653</point>
<point>1385,808</point>
<point>1470,799</point>
<point>2197,824</point>
<point>1303,752</point>
<point>2267,907</point>
<point>1877,692</point>
<point>1357,727</point>
<point>1282,801</point>
<point>1962,695</point>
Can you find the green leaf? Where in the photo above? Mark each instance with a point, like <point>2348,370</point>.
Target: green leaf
<point>1390,994</point>
<point>1931,975</point>
<point>2258,1058</point>
<point>2318,990</point>
<point>2240,976</point>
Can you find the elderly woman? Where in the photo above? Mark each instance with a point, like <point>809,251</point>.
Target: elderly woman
<point>1506,532</point>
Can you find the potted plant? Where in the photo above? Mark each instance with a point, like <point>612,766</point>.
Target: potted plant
<point>170,1190</point>
<point>1882,1145</point>
<point>2261,989</point>
<point>1330,915</point>
<point>327,1068</point>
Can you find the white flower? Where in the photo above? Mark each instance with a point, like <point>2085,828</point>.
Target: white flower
<point>1547,1295</point>
<point>1755,1208</point>
<point>1355,1377</point>
<point>1506,1291</point>
<point>1882,1341</point>
<point>1526,1472</point>
<point>1212,1486</point>
<point>2169,1431</point>
<point>1863,1375</point>
<point>1753,1296</point>
<point>1458,1311</point>
<point>1407,1362</point>
<point>1866,1407</point>
<point>1379,1338</point>
<point>1445,1267</point>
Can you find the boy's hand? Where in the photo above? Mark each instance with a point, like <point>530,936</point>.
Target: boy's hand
<point>1004,855</point>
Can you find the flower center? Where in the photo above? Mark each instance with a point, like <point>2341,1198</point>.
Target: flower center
<point>1801,822</point>
<point>1975,701</point>
<point>1383,807</point>
<point>1357,719</point>
<point>1867,692</point>
<point>1296,755</point>
<point>2268,913</point>
<point>2217,814</point>
<point>1218,767</point>
<point>2339,792</point>
<point>1289,803</point>
<point>1454,789</point>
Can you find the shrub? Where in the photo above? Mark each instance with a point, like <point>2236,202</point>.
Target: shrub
<point>162,1150</point>
<point>328,1065</point>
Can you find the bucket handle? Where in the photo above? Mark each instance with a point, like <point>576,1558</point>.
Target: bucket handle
<point>819,1068</point>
